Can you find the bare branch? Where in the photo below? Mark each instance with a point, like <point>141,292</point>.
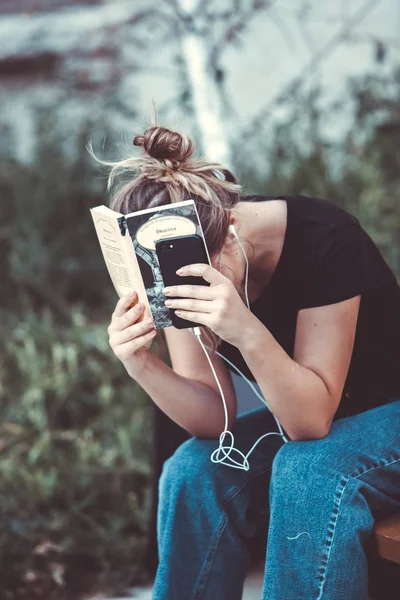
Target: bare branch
<point>240,22</point>
<point>305,34</point>
<point>367,38</point>
<point>201,9</point>
<point>177,13</point>
<point>150,14</point>
<point>286,34</point>
<point>310,67</point>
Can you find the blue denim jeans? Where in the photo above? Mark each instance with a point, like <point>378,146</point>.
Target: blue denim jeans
<point>315,500</point>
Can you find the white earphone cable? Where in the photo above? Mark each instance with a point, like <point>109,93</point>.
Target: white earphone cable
<point>255,391</point>
<point>233,230</point>
<point>223,454</point>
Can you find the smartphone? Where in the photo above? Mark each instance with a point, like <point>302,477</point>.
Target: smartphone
<point>176,252</point>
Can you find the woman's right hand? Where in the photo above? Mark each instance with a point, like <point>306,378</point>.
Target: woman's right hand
<point>130,340</point>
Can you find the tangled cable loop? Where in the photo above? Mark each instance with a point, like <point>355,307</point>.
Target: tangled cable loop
<point>226,452</point>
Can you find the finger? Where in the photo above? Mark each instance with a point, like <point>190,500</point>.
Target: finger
<point>128,318</point>
<point>208,273</point>
<point>133,315</point>
<point>201,292</point>
<point>134,331</point>
<point>124,303</point>
<point>197,317</point>
<point>125,351</point>
<point>203,306</point>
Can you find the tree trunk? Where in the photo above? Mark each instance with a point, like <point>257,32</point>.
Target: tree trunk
<point>208,109</point>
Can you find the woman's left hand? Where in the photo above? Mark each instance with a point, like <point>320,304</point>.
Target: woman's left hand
<point>217,306</point>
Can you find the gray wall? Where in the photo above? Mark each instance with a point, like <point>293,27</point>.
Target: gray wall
<point>247,400</point>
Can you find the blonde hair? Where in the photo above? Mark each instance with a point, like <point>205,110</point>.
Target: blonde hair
<point>165,173</point>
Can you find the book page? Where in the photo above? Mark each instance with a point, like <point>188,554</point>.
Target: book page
<point>118,254</point>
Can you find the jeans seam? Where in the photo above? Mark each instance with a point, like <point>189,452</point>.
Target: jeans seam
<point>209,559</point>
<point>220,530</point>
<point>335,515</point>
<point>237,489</point>
<point>376,466</point>
<point>331,533</point>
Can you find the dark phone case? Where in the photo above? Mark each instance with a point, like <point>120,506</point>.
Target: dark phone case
<point>187,250</point>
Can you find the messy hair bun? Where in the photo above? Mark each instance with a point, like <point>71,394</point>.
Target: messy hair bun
<point>162,143</point>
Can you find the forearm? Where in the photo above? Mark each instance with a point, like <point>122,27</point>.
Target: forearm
<point>297,396</point>
<point>191,404</point>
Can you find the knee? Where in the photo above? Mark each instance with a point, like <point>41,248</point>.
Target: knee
<point>188,469</point>
<point>309,480</point>
<point>301,466</point>
<point>324,456</point>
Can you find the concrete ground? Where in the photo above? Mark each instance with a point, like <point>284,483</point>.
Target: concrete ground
<point>252,589</point>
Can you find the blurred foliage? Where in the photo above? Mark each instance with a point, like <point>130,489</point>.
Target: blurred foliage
<point>75,430</point>
<point>46,235</point>
<point>358,170</point>
<point>74,440</point>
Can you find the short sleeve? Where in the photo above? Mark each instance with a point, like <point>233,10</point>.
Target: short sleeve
<point>339,269</point>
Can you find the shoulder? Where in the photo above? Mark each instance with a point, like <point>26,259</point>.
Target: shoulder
<point>342,261</point>
<point>322,231</point>
<point>324,213</point>
<point>309,212</point>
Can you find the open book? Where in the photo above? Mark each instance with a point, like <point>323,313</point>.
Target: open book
<point>128,246</point>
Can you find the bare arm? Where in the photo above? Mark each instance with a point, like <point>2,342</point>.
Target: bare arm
<point>304,392</point>
<point>187,393</point>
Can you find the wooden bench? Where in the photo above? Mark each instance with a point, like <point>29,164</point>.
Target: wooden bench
<point>387,538</point>
<point>384,564</point>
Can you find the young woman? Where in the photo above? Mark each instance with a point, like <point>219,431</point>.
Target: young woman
<point>322,340</point>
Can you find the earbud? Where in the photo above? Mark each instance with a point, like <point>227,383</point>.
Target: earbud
<point>232,230</point>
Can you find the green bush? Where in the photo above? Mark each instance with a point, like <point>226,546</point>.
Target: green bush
<point>75,434</point>
<point>75,443</point>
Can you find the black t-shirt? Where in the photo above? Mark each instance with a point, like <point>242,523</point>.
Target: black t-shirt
<point>328,257</point>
